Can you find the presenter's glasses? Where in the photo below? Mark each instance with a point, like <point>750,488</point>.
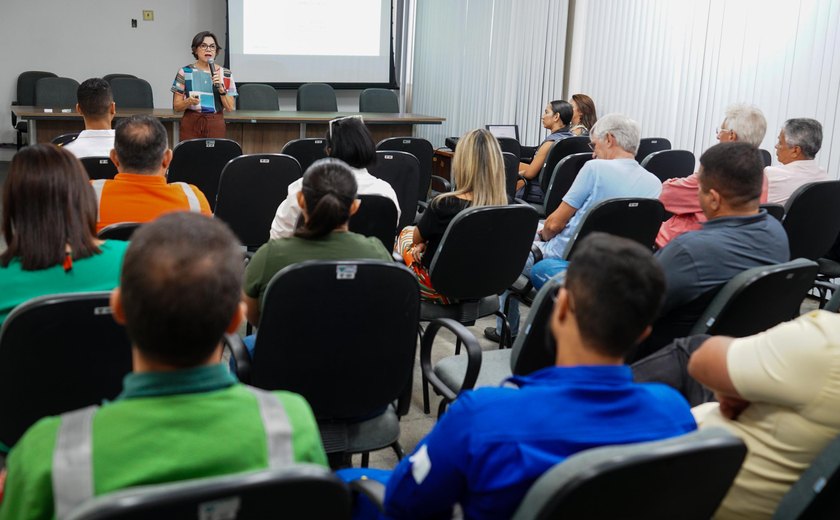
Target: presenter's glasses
<point>338,121</point>
<point>206,47</point>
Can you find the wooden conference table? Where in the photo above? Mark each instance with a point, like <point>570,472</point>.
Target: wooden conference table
<point>257,131</point>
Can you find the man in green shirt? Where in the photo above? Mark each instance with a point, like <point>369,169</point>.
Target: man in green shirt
<point>181,415</point>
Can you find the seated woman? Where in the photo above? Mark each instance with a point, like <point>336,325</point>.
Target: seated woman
<point>479,174</point>
<point>49,223</point>
<point>584,117</point>
<point>347,139</point>
<point>327,200</point>
<point>557,118</point>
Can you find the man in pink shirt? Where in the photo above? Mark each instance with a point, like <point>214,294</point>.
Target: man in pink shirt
<point>741,123</point>
<point>799,141</point>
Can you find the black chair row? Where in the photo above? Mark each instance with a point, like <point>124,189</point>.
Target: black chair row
<point>315,97</point>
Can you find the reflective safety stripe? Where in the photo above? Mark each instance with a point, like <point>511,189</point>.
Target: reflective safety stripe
<point>195,205</point>
<point>278,430</point>
<point>98,185</point>
<point>72,466</point>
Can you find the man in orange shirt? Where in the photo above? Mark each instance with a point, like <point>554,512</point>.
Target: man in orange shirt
<point>139,192</point>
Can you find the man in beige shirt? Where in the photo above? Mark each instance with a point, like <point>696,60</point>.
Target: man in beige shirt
<point>799,141</point>
<point>780,392</point>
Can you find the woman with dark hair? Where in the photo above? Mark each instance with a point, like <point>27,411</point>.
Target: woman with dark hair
<point>203,90</point>
<point>584,117</point>
<point>327,200</point>
<point>347,139</point>
<point>557,118</point>
<point>49,222</point>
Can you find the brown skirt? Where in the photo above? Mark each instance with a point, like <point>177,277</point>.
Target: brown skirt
<point>195,125</point>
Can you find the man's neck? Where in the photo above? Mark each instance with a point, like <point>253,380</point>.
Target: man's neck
<point>97,124</point>
<point>727,211</point>
<point>573,351</point>
<point>142,364</point>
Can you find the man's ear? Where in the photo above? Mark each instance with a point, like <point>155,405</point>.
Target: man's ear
<point>114,159</point>
<point>355,206</point>
<point>167,158</point>
<point>79,109</point>
<point>113,109</point>
<point>645,333</point>
<point>236,319</point>
<point>301,200</point>
<point>117,310</point>
<point>714,199</point>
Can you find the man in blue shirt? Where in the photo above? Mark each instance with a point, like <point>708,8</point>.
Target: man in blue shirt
<point>493,443</point>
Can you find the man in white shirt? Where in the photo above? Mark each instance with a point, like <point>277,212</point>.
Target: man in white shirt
<point>799,141</point>
<point>96,105</point>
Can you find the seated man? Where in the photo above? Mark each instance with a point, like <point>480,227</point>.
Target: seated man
<point>181,414</point>
<point>743,123</point>
<point>96,104</point>
<point>613,173</point>
<point>736,236</point>
<point>493,443</point>
<point>139,192</point>
<point>799,141</point>
<point>780,392</point>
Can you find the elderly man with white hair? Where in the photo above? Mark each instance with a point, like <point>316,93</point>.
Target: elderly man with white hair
<point>613,173</point>
<point>799,141</point>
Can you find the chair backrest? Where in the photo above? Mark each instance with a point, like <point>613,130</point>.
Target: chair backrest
<point>306,151</point>
<point>648,145</point>
<point>511,172</point>
<point>685,477</point>
<point>562,177</point>
<point>778,290</point>
<point>99,167</point>
<point>316,97</point>
<point>58,353</point>
<point>765,157</point>
<point>812,219</point>
<point>534,348</point>
<point>25,95</point>
<point>119,231</point>
<point>669,164</point>
<point>635,218</point>
<point>111,77</point>
<point>816,495</point>
<point>402,171</point>
<point>257,96</point>
<point>251,188</point>
<point>419,148</point>
<point>298,491</point>
<point>375,305</point>
<point>462,267</point>
<point>377,217</point>
<point>63,139</point>
<point>379,100</point>
<point>200,162</point>
<point>132,93</point>
<point>777,211</point>
<point>56,92</point>
<point>511,145</point>
<point>558,151</point>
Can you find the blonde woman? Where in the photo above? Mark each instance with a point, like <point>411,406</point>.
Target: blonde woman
<point>479,175</point>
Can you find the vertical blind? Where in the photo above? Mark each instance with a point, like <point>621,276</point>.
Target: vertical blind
<point>675,65</point>
<point>481,62</point>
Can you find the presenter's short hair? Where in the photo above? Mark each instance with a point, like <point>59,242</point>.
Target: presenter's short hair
<point>94,97</point>
<point>626,132</point>
<point>199,38</point>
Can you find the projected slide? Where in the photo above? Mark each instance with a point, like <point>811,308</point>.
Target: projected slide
<point>299,41</point>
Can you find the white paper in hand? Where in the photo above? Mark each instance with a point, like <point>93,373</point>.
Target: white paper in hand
<point>420,465</point>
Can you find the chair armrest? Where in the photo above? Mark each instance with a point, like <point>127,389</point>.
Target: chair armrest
<point>372,489</point>
<point>527,153</point>
<point>537,252</point>
<point>447,186</point>
<point>240,355</point>
<point>473,356</point>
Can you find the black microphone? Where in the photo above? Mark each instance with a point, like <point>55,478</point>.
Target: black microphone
<point>213,72</point>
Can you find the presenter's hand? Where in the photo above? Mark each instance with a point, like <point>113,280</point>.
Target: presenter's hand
<point>218,79</point>
<point>193,101</point>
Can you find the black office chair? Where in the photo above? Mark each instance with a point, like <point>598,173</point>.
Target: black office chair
<point>25,96</point>
<point>685,477</point>
<point>669,164</point>
<point>56,92</point>
<point>349,378</point>
<point>306,151</point>
<point>562,178</point>
<point>377,217</point>
<point>257,96</point>
<point>298,491</point>
<point>648,145</point>
<point>379,100</point>
<point>635,218</point>
<point>200,162</point>
<point>251,187</point>
<point>58,353</point>
<point>99,167</point>
<point>111,77</point>
<point>316,97</point>
<point>765,157</point>
<point>777,211</point>
<point>119,231</point>
<point>511,172</point>
<point>402,171</point>
<point>816,495</point>
<point>132,93</point>
<point>419,148</point>
<point>812,219</point>
<point>510,145</point>
<point>558,151</point>
<point>63,139</point>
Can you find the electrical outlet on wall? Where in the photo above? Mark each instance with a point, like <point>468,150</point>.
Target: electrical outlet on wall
<point>134,23</point>
<point>148,16</point>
